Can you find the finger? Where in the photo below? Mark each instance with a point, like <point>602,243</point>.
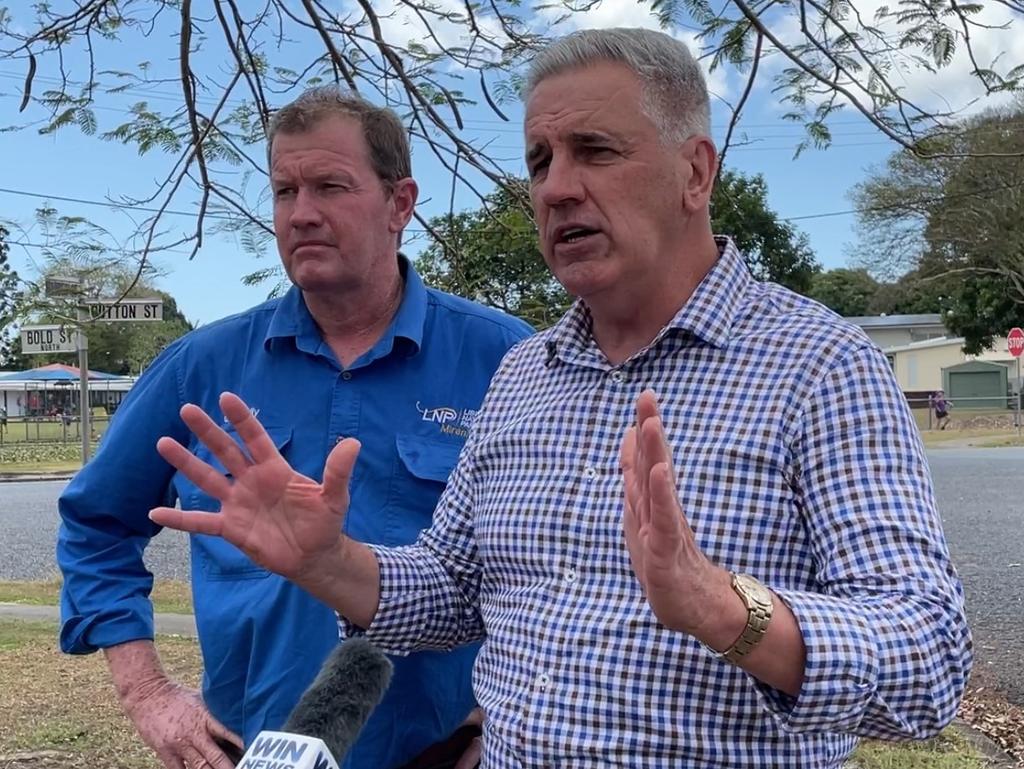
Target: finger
<point>221,732</point>
<point>214,437</point>
<point>668,523</point>
<point>641,473</point>
<point>193,758</point>
<point>260,446</point>
<point>338,473</point>
<point>211,755</point>
<point>193,468</point>
<point>187,520</point>
<point>646,406</point>
<point>655,445</point>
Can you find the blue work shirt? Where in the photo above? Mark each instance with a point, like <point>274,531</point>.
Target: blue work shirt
<point>410,401</point>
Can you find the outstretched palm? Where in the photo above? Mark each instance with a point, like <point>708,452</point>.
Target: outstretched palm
<point>678,580</point>
<point>278,517</point>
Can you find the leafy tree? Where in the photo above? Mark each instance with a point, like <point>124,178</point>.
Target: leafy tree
<point>953,224</point>
<point>774,249</point>
<point>438,63</point>
<point>849,292</point>
<point>490,254</point>
<point>9,297</point>
<point>74,246</point>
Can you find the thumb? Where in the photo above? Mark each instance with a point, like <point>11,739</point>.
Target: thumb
<point>338,473</point>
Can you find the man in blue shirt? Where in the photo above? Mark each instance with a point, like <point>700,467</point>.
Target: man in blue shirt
<point>357,347</point>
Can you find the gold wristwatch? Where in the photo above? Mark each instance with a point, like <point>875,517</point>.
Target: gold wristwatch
<point>759,602</point>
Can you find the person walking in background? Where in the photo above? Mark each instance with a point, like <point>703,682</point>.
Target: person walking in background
<point>941,406</point>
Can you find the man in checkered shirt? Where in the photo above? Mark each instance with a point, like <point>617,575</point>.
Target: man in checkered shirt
<point>667,572</point>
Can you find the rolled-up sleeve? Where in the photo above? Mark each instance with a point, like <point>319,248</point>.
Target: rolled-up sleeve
<point>429,590</point>
<point>887,642</point>
<point>105,524</point>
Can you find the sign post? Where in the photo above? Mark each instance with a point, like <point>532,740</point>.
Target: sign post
<point>36,340</point>
<point>112,311</point>
<point>1015,344</point>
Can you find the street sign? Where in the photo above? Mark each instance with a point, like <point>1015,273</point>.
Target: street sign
<point>1015,342</point>
<point>36,340</point>
<point>59,285</point>
<point>127,310</point>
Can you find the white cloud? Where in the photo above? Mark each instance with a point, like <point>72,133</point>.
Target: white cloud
<point>400,25</point>
<point>952,88</point>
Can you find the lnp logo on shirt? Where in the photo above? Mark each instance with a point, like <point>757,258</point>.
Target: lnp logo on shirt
<point>254,411</point>
<point>451,421</point>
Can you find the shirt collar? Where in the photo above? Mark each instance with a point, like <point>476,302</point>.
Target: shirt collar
<point>292,318</point>
<point>708,314</point>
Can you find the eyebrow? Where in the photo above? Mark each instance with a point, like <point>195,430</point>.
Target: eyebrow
<point>537,149</point>
<point>592,137</point>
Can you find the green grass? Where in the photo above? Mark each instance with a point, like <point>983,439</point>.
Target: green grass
<point>171,597</point>
<point>40,468</point>
<point>948,751</point>
<point>65,706</point>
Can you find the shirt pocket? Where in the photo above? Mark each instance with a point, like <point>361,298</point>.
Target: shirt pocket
<point>421,470</point>
<point>218,559</point>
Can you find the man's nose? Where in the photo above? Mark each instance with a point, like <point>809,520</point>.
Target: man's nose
<point>305,211</point>
<point>562,183</point>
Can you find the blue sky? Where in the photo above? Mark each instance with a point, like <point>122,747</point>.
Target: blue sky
<point>71,165</point>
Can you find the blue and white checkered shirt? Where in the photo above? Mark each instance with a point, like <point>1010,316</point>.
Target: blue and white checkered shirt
<point>798,462</point>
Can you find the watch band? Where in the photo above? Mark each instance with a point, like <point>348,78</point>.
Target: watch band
<point>760,604</point>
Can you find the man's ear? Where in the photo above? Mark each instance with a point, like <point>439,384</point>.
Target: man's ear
<point>404,193</point>
<point>703,159</point>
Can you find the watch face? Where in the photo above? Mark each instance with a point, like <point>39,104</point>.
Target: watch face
<point>754,589</point>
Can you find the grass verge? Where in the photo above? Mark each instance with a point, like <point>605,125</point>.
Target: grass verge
<point>949,750</point>
<point>40,468</point>
<point>168,596</point>
<point>58,711</point>
<point>63,711</point>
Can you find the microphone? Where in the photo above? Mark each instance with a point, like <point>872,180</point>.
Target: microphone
<point>330,714</point>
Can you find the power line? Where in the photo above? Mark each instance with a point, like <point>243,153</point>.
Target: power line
<point>802,217</point>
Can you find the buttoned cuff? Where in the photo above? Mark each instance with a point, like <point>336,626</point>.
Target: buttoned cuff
<point>841,670</point>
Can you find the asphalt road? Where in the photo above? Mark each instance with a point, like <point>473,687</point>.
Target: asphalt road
<point>981,499</point>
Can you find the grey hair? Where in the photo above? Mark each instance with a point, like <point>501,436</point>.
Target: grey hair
<point>382,128</point>
<point>674,94</point>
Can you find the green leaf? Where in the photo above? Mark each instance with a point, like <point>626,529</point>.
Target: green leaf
<point>86,121</point>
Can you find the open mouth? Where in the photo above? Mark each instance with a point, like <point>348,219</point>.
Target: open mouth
<point>576,234</point>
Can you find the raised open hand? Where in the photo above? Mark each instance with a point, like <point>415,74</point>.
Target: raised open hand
<point>680,583</point>
<point>281,519</point>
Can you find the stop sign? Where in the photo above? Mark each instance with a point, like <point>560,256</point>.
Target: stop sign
<point>1015,342</point>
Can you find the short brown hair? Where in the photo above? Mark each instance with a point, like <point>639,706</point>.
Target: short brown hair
<point>383,130</point>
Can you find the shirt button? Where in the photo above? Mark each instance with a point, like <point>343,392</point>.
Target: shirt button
<point>589,473</point>
<point>339,439</point>
<point>543,681</point>
<point>570,575</point>
<point>346,375</point>
<point>617,376</point>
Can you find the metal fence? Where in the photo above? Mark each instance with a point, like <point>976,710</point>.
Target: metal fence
<point>970,413</point>
<point>51,429</point>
